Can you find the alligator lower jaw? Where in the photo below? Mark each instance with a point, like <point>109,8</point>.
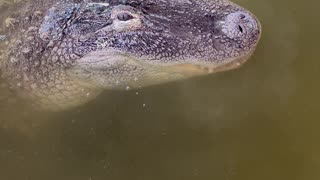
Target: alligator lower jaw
<point>202,69</point>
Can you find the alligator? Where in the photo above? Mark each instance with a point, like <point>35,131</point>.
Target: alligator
<point>60,54</point>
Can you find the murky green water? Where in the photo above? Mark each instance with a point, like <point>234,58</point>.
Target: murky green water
<point>258,122</point>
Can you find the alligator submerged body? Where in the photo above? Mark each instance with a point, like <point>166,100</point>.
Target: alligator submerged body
<point>63,53</point>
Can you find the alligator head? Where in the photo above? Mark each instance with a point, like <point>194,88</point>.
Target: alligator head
<point>143,42</point>
<point>107,44</point>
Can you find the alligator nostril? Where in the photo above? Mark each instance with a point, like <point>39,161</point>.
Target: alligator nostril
<point>240,28</point>
<point>242,16</point>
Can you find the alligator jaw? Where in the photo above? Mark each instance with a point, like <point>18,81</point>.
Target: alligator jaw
<point>189,69</point>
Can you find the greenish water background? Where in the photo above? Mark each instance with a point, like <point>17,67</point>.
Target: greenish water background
<point>257,122</point>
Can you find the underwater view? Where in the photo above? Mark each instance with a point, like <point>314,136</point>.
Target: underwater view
<point>246,114</point>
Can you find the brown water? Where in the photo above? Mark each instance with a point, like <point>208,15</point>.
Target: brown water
<point>259,122</point>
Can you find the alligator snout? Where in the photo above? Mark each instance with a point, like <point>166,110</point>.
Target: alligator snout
<point>241,25</point>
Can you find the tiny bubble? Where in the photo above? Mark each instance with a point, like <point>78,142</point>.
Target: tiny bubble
<point>137,93</point>
<point>127,88</point>
<point>143,105</point>
<point>2,37</point>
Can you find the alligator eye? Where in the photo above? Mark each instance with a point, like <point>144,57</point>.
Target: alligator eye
<point>124,17</point>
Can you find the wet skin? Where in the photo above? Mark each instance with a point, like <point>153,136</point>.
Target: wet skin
<point>61,54</point>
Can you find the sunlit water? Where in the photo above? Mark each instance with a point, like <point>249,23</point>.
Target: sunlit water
<point>259,122</point>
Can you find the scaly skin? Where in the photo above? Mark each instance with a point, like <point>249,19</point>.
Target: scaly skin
<point>63,53</point>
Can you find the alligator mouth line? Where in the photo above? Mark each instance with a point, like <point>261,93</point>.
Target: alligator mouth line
<point>194,69</point>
